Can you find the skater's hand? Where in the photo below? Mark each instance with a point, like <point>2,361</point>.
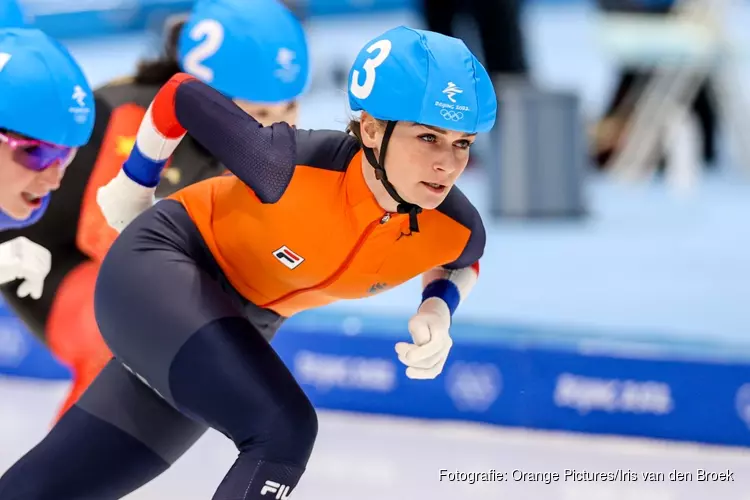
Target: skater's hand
<point>123,199</point>
<point>430,331</point>
<point>21,258</point>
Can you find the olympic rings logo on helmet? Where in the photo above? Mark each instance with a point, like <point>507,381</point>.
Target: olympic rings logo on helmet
<point>451,115</point>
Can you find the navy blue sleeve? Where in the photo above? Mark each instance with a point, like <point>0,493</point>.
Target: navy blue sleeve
<point>458,207</point>
<point>6,222</point>
<point>264,158</point>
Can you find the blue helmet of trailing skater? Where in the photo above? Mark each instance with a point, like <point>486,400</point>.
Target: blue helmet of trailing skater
<point>45,93</point>
<point>254,50</point>
<point>424,77</point>
<point>11,15</point>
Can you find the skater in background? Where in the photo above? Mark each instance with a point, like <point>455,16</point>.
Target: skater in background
<point>46,115</point>
<point>254,52</point>
<point>194,288</point>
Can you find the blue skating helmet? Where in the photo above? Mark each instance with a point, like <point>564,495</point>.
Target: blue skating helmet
<point>254,50</point>
<point>11,15</point>
<point>45,94</point>
<point>424,77</point>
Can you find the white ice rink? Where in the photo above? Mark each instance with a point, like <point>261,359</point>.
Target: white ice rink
<point>361,457</point>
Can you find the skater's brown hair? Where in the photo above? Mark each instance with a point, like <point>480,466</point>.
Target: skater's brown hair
<point>159,71</point>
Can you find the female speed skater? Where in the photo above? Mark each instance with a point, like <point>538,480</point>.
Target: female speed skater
<point>46,114</point>
<point>254,52</point>
<point>195,286</point>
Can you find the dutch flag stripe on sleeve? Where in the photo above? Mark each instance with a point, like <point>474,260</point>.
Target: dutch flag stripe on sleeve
<point>451,285</point>
<point>158,136</point>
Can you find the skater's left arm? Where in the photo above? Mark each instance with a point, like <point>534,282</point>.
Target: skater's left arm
<point>263,158</point>
<point>444,289</point>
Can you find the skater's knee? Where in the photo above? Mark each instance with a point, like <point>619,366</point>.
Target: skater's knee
<point>297,419</point>
<point>286,434</point>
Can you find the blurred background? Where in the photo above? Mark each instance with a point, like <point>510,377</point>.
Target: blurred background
<point>610,326</point>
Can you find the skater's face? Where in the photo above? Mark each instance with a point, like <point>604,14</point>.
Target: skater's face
<point>268,114</point>
<point>422,162</point>
<point>23,183</point>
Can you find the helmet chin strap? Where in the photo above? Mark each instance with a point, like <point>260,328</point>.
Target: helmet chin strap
<point>404,207</point>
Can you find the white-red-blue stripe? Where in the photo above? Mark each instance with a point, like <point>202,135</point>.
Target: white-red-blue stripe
<point>451,285</point>
<point>159,135</point>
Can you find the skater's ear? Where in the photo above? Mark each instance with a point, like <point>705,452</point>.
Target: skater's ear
<point>368,130</point>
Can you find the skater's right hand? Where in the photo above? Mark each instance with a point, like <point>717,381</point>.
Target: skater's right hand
<point>21,258</point>
<point>123,199</point>
<point>430,331</point>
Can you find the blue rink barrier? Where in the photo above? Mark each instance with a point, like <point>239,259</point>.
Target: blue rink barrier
<point>89,18</point>
<point>92,18</point>
<point>21,354</point>
<point>526,377</point>
<point>507,375</point>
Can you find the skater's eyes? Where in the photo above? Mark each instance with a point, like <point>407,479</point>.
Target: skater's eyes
<point>460,144</point>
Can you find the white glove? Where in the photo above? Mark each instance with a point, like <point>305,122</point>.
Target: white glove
<point>123,199</point>
<point>21,258</point>
<point>430,330</point>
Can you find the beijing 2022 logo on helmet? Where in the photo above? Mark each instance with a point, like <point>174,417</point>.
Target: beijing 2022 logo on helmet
<point>452,111</point>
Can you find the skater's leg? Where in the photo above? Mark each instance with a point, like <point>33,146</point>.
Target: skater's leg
<point>118,437</point>
<point>167,313</point>
<point>439,15</point>
<point>72,333</point>
<point>500,30</point>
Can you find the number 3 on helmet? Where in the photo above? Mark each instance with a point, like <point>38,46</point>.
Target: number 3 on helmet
<point>363,91</point>
<point>423,77</point>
